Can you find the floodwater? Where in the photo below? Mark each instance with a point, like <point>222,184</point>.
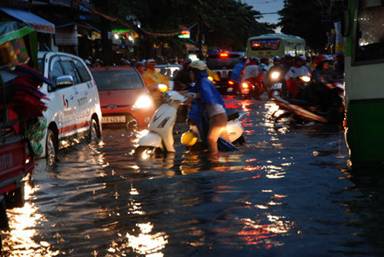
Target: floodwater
<point>287,192</point>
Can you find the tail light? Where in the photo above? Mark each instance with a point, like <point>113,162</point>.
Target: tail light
<point>223,55</point>
<point>231,82</point>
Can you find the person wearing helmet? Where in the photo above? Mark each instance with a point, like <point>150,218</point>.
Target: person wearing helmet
<point>324,72</point>
<point>152,79</point>
<point>264,64</point>
<point>276,73</point>
<point>298,70</point>
<point>182,79</point>
<point>237,70</point>
<point>210,103</point>
<point>251,69</point>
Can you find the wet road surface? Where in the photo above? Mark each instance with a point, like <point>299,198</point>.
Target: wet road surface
<point>285,193</point>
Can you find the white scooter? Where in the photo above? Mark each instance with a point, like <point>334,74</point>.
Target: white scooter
<point>159,137</point>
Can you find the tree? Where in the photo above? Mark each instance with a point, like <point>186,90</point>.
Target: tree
<point>225,23</point>
<point>308,19</point>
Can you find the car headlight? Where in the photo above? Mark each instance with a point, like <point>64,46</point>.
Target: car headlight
<point>275,75</point>
<point>143,102</point>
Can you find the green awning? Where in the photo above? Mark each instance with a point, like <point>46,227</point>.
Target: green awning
<point>13,30</point>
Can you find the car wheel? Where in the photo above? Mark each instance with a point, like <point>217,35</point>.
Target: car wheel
<point>51,147</point>
<point>16,197</point>
<point>94,131</point>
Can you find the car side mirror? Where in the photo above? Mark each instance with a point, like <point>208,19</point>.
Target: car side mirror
<point>64,81</point>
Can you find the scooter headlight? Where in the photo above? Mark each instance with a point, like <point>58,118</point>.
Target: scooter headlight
<point>143,102</point>
<point>305,78</point>
<point>245,85</point>
<point>275,75</point>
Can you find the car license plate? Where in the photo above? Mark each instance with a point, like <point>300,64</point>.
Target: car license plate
<point>114,119</point>
<point>230,89</point>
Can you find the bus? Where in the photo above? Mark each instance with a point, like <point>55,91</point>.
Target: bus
<point>364,90</point>
<point>270,45</point>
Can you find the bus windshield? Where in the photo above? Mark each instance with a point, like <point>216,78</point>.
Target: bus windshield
<point>265,44</point>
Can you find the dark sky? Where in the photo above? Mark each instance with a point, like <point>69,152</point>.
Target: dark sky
<point>266,6</point>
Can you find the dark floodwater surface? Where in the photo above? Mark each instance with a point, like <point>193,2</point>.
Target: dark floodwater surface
<point>285,193</point>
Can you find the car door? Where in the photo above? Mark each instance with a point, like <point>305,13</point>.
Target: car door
<point>76,116</point>
<point>86,92</point>
<point>62,99</point>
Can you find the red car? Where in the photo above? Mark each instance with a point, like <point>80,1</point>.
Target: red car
<point>124,99</point>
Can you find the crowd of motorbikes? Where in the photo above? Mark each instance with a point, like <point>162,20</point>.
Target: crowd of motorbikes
<point>312,90</point>
<point>308,93</point>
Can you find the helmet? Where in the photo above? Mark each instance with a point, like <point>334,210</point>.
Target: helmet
<point>199,65</point>
<point>188,138</point>
<point>276,59</point>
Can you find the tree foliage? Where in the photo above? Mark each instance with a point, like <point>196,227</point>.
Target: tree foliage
<point>225,23</point>
<point>310,19</point>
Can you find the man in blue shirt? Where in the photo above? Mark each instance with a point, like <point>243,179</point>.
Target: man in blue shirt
<point>211,104</point>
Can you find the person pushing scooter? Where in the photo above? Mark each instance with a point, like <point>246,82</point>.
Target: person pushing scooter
<point>210,103</point>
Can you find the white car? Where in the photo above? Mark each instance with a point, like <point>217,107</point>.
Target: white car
<point>73,109</point>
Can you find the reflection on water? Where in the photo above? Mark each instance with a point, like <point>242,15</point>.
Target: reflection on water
<point>23,223</point>
<point>255,233</point>
<point>146,243</point>
<point>280,194</point>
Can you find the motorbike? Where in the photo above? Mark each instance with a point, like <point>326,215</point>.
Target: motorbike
<point>252,87</point>
<point>159,136</point>
<point>232,87</point>
<point>296,85</point>
<point>195,137</point>
<point>276,83</point>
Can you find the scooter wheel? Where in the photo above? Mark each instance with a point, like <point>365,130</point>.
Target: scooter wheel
<point>144,152</point>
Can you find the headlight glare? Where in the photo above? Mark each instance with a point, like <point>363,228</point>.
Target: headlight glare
<point>143,102</point>
<point>305,78</point>
<point>275,75</point>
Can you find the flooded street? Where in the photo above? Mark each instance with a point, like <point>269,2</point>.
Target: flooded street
<point>287,192</point>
